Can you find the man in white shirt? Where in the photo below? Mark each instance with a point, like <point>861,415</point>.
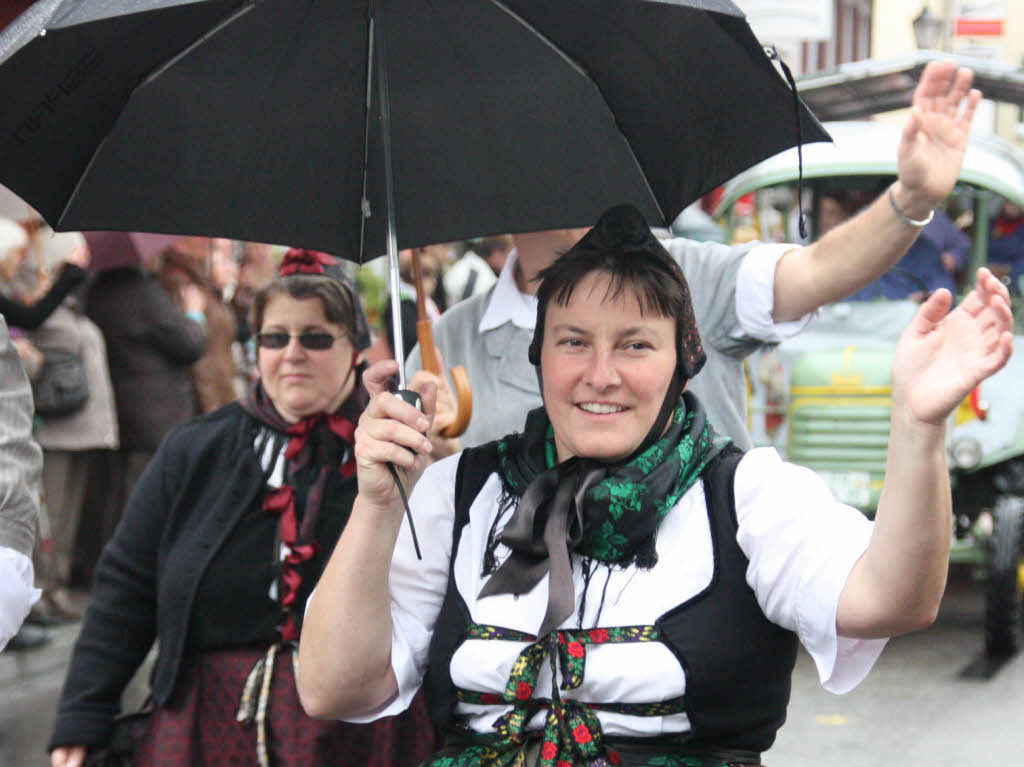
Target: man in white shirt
<point>744,297</point>
<point>20,467</point>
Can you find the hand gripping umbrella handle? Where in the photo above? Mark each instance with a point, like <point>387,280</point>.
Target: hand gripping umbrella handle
<point>428,355</point>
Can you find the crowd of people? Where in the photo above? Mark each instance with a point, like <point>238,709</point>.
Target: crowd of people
<point>605,571</point>
<point>154,340</point>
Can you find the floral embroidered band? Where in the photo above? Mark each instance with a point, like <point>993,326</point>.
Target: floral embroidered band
<point>572,732</point>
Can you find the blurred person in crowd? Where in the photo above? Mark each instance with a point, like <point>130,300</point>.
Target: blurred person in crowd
<point>224,274</point>
<point>255,269</point>
<point>1006,244</point>
<point>1008,220</point>
<point>745,296</point>
<point>71,441</point>
<point>150,345</point>
<point>191,262</point>
<point>477,269</point>
<point>20,463</point>
<point>834,207</point>
<point>269,482</point>
<point>25,306</point>
<point>953,244</point>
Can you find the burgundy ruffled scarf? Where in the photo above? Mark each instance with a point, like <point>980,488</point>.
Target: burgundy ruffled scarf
<point>307,447</point>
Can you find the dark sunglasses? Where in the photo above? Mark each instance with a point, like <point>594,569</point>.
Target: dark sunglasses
<point>312,340</point>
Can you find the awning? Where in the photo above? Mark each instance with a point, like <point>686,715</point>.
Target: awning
<point>860,89</point>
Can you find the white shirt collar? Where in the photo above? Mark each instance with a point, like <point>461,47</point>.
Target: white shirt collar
<point>507,303</point>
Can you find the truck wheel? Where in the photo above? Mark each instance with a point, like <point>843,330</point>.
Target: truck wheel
<point>1004,597</point>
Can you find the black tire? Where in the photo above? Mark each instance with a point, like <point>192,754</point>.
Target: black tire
<point>1004,598</point>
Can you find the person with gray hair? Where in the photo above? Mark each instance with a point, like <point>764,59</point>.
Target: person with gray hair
<point>20,466</point>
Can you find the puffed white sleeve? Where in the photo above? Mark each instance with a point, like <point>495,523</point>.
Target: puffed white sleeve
<point>802,545</point>
<point>417,586</point>
<point>755,295</point>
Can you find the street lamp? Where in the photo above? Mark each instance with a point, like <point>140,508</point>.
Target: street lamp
<point>927,29</point>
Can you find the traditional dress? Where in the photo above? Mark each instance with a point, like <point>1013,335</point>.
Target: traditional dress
<point>676,654</point>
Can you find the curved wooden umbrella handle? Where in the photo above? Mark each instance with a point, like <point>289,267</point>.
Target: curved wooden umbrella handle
<point>464,398</point>
<point>428,357</point>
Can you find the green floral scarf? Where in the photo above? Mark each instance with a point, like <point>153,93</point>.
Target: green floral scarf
<point>608,513</point>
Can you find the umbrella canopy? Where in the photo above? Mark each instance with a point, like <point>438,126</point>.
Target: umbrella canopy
<point>262,119</point>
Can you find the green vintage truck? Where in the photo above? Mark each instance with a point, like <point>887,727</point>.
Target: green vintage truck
<point>823,398</point>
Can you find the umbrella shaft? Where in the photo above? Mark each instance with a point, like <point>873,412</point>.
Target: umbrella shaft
<point>380,60</point>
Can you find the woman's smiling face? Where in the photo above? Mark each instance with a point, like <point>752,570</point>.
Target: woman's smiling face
<point>606,366</point>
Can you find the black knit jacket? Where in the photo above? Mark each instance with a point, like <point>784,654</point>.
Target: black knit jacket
<point>203,480</point>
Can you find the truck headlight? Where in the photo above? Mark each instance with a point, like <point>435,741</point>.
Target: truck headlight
<point>965,452</point>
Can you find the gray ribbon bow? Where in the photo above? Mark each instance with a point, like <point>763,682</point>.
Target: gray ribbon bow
<point>544,530</point>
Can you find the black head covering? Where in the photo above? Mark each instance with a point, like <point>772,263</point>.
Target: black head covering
<point>622,229</point>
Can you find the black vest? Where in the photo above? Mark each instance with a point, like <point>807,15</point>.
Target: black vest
<point>738,664</point>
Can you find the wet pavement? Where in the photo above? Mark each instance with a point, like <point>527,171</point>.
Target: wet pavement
<point>918,706</point>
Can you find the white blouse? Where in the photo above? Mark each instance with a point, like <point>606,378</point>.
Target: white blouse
<point>801,545</point>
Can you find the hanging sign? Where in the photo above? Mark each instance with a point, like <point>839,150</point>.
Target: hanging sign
<point>979,18</point>
<point>774,20</point>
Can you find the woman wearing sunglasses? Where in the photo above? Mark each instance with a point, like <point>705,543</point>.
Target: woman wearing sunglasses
<point>222,541</point>
<point>617,584</point>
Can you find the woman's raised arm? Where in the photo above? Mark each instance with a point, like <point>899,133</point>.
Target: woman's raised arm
<point>345,648</point>
<point>898,583</point>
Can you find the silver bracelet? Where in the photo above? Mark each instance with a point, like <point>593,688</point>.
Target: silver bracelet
<point>907,219</point>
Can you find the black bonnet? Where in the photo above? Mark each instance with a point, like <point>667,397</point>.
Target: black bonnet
<point>622,230</point>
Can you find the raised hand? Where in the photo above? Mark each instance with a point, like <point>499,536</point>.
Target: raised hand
<point>391,431</point>
<point>934,140</point>
<point>943,355</point>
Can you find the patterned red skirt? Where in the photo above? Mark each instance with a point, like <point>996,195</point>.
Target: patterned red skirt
<point>198,726</point>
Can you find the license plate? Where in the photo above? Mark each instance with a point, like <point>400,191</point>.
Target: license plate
<point>850,487</point>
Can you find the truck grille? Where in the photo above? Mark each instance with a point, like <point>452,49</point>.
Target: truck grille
<point>840,440</point>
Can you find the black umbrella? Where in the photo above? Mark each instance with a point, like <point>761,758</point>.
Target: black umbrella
<point>293,121</point>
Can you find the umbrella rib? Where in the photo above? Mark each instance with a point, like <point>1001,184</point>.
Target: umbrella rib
<point>364,202</point>
<point>226,21</point>
<point>229,19</point>
<point>583,73</point>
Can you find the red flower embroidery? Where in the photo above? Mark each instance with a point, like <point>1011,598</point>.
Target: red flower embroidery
<point>549,751</point>
<point>614,757</point>
<point>599,635</point>
<point>563,763</point>
<point>489,697</point>
<point>523,691</point>
<point>581,734</point>
<point>576,649</point>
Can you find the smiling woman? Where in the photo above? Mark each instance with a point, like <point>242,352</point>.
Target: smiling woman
<point>610,356</point>
<point>621,585</point>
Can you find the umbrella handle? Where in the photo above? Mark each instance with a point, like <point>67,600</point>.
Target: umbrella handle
<point>428,355</point>
<point>460,378</point>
